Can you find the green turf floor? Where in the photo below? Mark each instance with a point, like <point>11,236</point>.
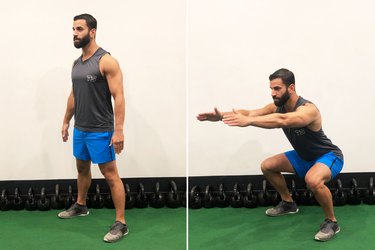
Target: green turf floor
<point>227,228</point>
<point>242,228</point>
<point>148,229</point>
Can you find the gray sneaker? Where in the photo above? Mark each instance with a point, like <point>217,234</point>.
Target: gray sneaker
<point>74,211</point>
<point>328,229</point>
<point>117,231</point>
<point>283,208</point>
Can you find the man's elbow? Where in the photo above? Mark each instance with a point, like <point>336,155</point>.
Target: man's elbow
<point>283,121</point>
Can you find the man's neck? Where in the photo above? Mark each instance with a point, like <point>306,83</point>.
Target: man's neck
<point>89,50</point>
<point>291,103</point>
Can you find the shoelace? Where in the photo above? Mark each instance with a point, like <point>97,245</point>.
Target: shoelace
<point>325,223</point>
<point>116,225</point>
<point>280,205</point>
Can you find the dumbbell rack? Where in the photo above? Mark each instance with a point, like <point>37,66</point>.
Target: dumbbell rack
<point>61,194</point>
<point>240,192</point>
<point>208,192</point>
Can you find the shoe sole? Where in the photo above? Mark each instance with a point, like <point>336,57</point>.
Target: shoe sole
<point>323,240</point>
<point>112,241</point>
<point>70,217</point>
<point>277,215</point>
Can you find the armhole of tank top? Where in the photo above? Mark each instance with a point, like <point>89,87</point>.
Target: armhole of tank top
<point>75,62</point>
<point>100,58</point>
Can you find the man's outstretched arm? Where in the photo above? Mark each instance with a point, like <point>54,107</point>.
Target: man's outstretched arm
<point>216,115</point>
<point>302,117</point>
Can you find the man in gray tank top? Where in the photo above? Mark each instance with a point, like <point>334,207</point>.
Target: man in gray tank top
<point>98,131</point>
<point>314,158</point>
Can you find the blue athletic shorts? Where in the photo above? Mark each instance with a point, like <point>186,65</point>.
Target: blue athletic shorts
<point>93,146</point>
<point>301,166</point>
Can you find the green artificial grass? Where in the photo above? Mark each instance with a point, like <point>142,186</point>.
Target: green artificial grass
<point>243,228</point>
<point>148,229</point>
<point>216,228</point>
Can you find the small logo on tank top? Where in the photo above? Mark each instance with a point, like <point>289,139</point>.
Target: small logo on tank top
<point>300,132</point>
<point>91,78</point>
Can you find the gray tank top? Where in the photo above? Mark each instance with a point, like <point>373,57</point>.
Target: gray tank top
<point>93,110</point>
<point>308,144</point>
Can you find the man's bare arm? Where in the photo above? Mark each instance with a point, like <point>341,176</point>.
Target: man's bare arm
<point>268,109</point>
<point>68,116</point>
<point>216,115</point>
<point>303,116</point>
<point>113,74</point>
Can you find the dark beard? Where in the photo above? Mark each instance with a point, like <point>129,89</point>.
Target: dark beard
<point>283,99</point>
<point>82,42</point>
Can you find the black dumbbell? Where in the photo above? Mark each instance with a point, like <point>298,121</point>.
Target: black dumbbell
<point>250,199</point>
<point>307,198</point>
<point>18,203</point>
<point>31,203</point>
<point>44,202</point>
<point>69,199</point>
<point>97,200</point>
<point>264,196</point>
<point>294,193</point>
<point>141,198</point>
<point>222,200</point>
<point>130,200</point>
<point>5,203</point>
<point>354,196</point>
<point>339,196</point>
<point>173,198</point>
<point>236,199</point>
<point>108,201</point>
<point>275,198</point>
<point>195,199</point>
<point>157,199</point>
<point>369,196</point>
<point>209,199</point>
<point>57,201</point>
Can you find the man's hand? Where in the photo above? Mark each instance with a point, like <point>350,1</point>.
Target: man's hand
<point>236,119</point>
<point>211,116</point>
<point>64,132</point>
<point>117,141</point>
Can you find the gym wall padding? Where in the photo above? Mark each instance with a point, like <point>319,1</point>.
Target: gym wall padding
<point>235,45</point>
<point>148,39</point>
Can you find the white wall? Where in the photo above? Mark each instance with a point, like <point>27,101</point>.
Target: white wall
<point>147,37</point>
<point>235,45</point>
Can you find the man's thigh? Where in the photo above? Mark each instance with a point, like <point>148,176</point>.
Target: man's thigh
<point>278,163</point>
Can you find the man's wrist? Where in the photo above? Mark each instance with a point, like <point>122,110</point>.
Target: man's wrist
<point>249,121</point>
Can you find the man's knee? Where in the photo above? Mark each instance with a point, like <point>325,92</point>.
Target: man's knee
<point>83,167</point>
<point>313,183</point>
<point>317,176</point>
<point>267,165</point>
<point>109,171</point>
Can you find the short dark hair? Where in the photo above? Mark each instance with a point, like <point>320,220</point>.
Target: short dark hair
<point>90,20</point>
<point>286,75</point>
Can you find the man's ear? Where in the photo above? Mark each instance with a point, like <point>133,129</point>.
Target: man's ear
<point>93,32</point>
<point>292,87</point>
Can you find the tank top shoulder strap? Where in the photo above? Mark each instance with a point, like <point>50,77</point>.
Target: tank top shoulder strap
<point>300,102</point>
<point>100,53</point>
